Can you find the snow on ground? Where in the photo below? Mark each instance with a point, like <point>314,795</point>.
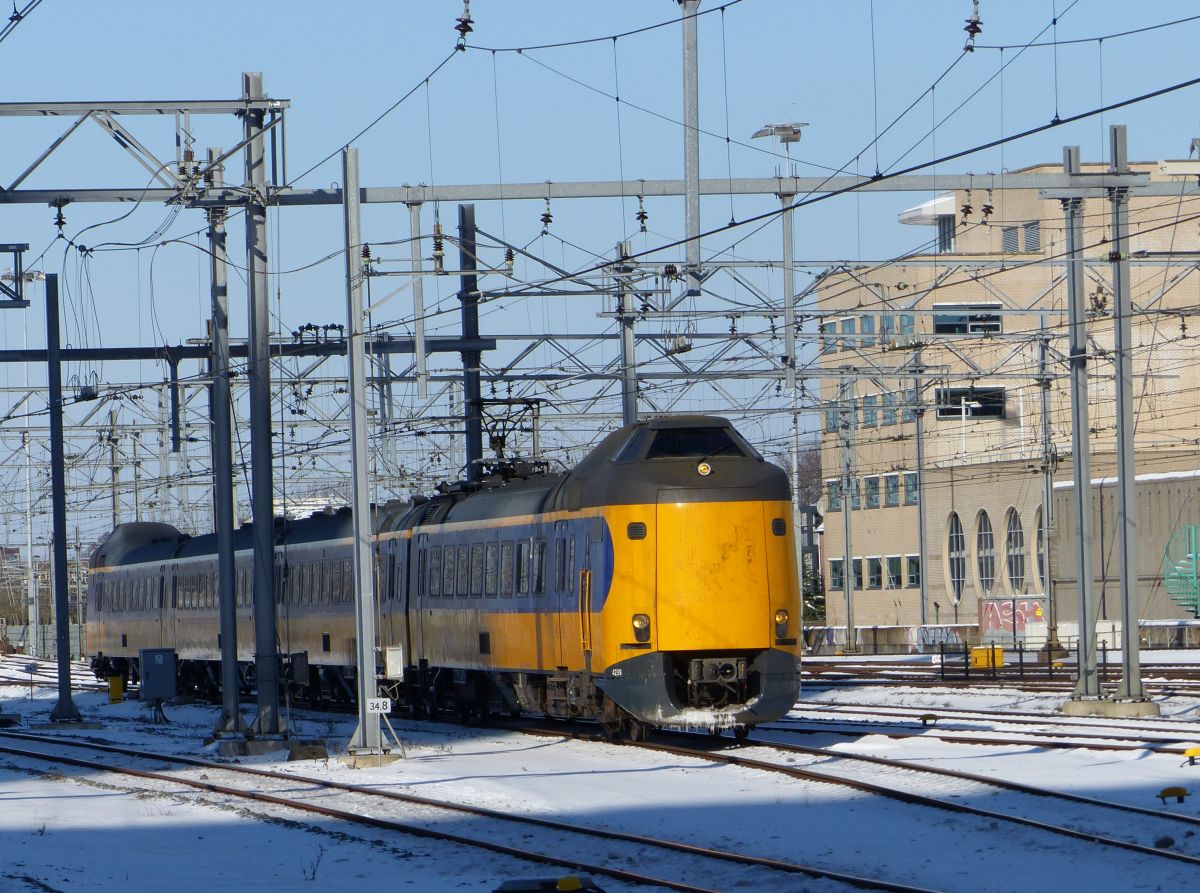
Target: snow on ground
<point>60,834</point>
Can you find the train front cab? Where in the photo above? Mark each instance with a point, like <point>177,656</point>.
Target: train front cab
<point>701,624</point>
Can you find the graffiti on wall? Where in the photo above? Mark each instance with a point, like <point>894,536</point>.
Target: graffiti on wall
<point>997,616</point>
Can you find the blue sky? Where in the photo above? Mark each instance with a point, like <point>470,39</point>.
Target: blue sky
<point>487,117</point>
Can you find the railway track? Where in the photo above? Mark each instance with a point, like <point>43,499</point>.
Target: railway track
<point>969,717</point>
<point>1093,820</point>
<point>593,851</point>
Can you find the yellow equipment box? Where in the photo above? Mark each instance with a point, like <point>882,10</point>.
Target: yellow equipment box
<point>116,689</point>
<point>987,657</point>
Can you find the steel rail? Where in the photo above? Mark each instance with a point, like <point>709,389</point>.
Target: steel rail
<point>676,846</point>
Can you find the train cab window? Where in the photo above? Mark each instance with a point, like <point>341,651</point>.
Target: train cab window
<point>463,561</point>
<point>507,569</point>
<point>632,449</point>
<point>476,570</point>
<point>448,572</point>
<point>681,443</point>
<point>435,572</point>
<point>491,568</point>
<point>537,567</point>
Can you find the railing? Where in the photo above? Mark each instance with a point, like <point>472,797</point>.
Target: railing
<point>1181,561</point>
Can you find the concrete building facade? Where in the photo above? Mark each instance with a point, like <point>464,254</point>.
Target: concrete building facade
<point>945,393</point>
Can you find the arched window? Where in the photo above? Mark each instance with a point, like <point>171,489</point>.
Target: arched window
<point>1014,551</point>
<point>985,553</point>
<point>956,552</point>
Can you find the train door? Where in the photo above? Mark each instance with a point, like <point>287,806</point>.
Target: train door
<point>591,569</point>
<point>416,592</point>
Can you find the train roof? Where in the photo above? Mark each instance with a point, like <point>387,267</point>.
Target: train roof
<point>137,542</point>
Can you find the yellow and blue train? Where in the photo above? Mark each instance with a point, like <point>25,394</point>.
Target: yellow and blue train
<point>655,584</point>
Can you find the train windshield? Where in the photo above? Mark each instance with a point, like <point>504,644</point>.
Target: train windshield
<point>683,443</point>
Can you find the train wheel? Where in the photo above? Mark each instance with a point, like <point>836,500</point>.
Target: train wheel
<point>636,730</point>
<point>741,731</point>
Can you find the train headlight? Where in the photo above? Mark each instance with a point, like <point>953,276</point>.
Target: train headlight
<point>704,469</point>
<point>641,627</point>
<point>781,623</point>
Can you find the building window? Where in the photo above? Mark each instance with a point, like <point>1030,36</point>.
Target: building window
<point>834,489</point>
<point>836,580</point>
<point>1014,551</point>
<point>873,493</point>
<point>870,415</point>
<point>887,329</point>
<point>855,495</point>
<point>891,490</point>
<point>889,408</point>
<point>831,418</point>
<point>1033,235</point>
<point>828,341</point>
<point>967,319</point>
<point>910,405</point>
<point>956,553</point>
<point>908,324</point>
<point>912,488</point>
<point>858,580</point>
<point>894,572</point>
<point>914,571</point>
<point>874,573</point>
<point>945,233</point>
<point>868,330</point>
<point>975,403</point>
<point>1009,238</point>
<point>985,553</point>
<point>847,343</point>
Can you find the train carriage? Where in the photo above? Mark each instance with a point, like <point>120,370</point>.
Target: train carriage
<point>655,584</point>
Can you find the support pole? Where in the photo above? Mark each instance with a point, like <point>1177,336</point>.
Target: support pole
<point>266,661</point>
<point>419,357</point>
<point>629,404</point>
<point>64,710</point>
<point>34,636</point>
<point>231,722</point>
<point>922,534</point>
<point>1049,461</point>
<point>367,737</point>
<point>789,338</point>
<point>1127,520</point>
<point>468,295</point>
<point>1088,684</point>
<point>691,143</point>
<point>848,425</point>
<point>114,468</point>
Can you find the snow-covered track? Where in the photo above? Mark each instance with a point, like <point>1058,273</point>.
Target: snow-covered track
<point>729,870</point>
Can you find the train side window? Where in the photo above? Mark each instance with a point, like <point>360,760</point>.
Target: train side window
<point>448,575</point>
<point>464,570</point>
<point>332,576</point>
<point>422,571</point>
<point>476,570</point>
<point>435,571</point>
<point>491,562</point>
<point>560,565</point>
<point>348,579</point>
<point>537,566</point>
<point>507,569</point>
<point>317,592</point>
<point>571,565</point>
<point>523,568</point>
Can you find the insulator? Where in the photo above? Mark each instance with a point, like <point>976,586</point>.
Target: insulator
<point>59,220</point>
<point>547,218</point>
<point>641,216</point>
<point>974,28</point>
<point>366,252</point>
<point>671,271</point>
<point>464,25</point>
<point>439,252</point>
<point>510,258</point>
